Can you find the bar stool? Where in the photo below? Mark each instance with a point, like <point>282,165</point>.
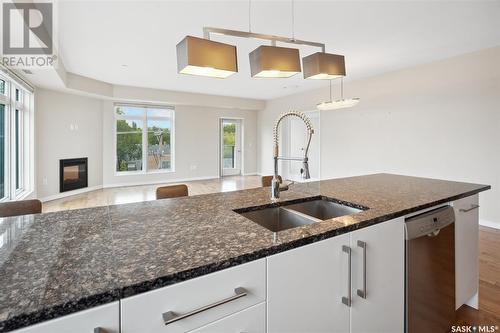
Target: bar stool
<point>172,191</point>
<point>23,207</point>
<point>266,180</point>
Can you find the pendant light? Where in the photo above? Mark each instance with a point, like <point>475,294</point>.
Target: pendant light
<point>340,103</point>
<point>274,62</point>
<point>204,57</point>
<point>323,66</point>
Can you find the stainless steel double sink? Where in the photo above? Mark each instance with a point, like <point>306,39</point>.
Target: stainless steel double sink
<point>298,214</point>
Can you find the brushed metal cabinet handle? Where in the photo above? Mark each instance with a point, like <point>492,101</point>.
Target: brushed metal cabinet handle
<point>171,317</point>
<point>100,330</point>
<point>347,300</point>
<point>362,292</point>
<point>462,210</point>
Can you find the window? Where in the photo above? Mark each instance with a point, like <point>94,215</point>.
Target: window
<point>144,138</point>
<point>2,150</point>
<point>15,155</point>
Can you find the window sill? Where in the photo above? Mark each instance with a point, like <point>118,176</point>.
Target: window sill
<point>136,173</point>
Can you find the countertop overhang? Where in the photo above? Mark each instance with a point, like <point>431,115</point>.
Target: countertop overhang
<point>58,263</point>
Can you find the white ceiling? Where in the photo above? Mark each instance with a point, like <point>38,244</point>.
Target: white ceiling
<point>97,38</point>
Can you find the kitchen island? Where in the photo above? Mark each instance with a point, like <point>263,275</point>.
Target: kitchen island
<point>56,264</point>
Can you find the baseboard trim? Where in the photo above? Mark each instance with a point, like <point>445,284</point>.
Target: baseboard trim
<point>70,193</point>
<point>251,174</point>
<point>489,224</point>
<point>126,184</point>
<point>157,182</point>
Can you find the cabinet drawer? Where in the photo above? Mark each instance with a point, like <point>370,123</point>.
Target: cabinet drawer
<point>203,297</point>
<point>104,317</point>
<point>251,320</point>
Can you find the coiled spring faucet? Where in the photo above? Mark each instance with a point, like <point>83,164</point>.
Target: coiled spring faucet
<point>275,184</point>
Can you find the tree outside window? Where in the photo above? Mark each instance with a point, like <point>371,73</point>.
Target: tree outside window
<point>142,147</point>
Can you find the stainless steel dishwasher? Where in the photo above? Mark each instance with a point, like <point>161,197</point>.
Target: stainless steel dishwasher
<point>430,271</point>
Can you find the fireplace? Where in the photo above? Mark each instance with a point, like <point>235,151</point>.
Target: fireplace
<point>73,174</point>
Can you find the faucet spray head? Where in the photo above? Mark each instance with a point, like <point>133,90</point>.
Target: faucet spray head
<point>305,169</point>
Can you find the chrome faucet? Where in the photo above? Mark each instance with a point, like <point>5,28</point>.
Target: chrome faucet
<point>275,184</point>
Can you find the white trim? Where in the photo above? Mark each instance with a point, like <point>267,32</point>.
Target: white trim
<point>155,182</point>
<point>251,174</point>
<point>70,193</point>
<point>490,224</point>
<point>18,78</point>
<point>25,195</point>
<point>158,182</point>
<point>473,302</point>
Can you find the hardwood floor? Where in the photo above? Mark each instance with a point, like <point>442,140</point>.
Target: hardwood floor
<point>121,195</point>
<point>489,260</point>
<point>489,283</point>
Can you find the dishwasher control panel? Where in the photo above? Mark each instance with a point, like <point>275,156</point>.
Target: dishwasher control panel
<point>429,222</point>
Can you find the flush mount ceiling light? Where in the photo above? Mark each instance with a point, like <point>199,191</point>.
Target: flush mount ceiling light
<point>273,61</point>
<point>204,57</point>
<point>323,66</point>
<point>340,103</point>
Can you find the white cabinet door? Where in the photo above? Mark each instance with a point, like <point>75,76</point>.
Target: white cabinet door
<point>251,320</point>
<point>105,317</point>
<point>466,251</point>
<point>305,287</point>
<point>383,308</point>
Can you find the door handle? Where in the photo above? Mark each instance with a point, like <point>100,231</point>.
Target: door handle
<point>362,292</point>
<point>462,210</point>
<point>347,300</point>
<point>171,317</point>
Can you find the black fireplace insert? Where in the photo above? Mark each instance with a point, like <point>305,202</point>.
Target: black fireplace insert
<point>73,174</point>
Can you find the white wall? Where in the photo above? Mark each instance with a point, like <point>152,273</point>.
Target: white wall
<point>196,144</point>
<point>55,112</point>
<point>440,120</point>
<point>196,141</point>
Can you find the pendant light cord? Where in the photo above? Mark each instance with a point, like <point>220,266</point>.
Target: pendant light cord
<point>293,20</point>
<point>330,90</point>
<point>249,15</point>
<point>342,88</point>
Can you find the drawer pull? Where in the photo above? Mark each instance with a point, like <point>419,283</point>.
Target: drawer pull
<point>171,317</point>
<point>100,330</point>
<point>469,209</point>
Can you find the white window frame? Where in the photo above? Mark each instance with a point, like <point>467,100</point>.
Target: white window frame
<point>144,118</point>
<point>26,142</point>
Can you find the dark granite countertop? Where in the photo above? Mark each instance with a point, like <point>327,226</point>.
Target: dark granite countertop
<point>58,263</point>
